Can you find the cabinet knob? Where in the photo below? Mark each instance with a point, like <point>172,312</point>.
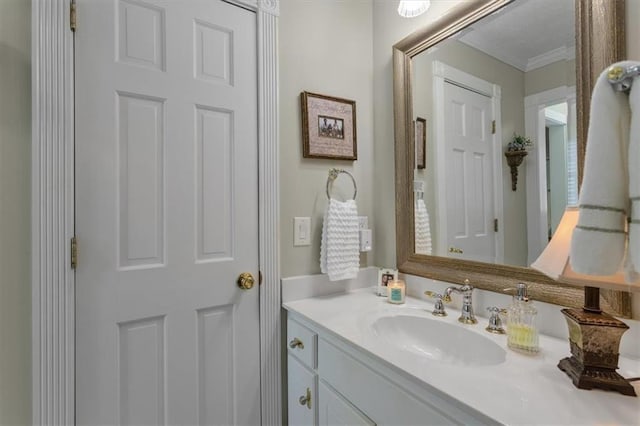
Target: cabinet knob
<point>296,343</point>
<point>306,399</point>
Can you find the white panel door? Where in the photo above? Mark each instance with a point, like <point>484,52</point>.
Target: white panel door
<point>166,213</point>
<point>469,170</point>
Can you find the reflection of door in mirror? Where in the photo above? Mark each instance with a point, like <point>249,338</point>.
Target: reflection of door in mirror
<point>465,165</point>
<point>506,59</point>
<point>468,170</point>
<point>551,175</point>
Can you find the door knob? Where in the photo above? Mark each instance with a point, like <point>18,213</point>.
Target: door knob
<point>246,281</point>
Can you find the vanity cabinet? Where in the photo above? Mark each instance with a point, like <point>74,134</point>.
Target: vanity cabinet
<point>311,400</point>
<point>346,385</point>
<point>334,410</point>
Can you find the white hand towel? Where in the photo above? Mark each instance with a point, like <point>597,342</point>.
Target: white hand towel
<point>423,228</point>
<point>340,247</point>
<point>598,241</point>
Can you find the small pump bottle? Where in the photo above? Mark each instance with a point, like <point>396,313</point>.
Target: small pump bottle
<point>522,332</point>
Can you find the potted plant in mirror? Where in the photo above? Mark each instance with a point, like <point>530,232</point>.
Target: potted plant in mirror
<point>516,151</point>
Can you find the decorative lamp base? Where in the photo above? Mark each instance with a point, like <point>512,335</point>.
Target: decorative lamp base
<point>595,340</point>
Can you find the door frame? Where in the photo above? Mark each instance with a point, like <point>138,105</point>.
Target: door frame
<point>536,170</point>
<point>443,73</point>
<point>52,204</point>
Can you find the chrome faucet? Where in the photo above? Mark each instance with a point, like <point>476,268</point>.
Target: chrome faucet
<point>438,307</point>
<point>466,290</point>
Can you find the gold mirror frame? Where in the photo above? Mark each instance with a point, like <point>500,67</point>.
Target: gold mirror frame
<point>600,41</point>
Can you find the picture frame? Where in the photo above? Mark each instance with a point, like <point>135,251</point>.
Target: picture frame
<point>421,142</point>
<point>328,127</point>
<point>385,275</point>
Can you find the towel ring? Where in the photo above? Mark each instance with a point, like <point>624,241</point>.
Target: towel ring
<point>622,78</point>
<point>333,175</point>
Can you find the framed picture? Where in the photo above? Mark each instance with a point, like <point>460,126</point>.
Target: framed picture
<point>385,275</point>
<point>328,127</point>
<point>421,143</point>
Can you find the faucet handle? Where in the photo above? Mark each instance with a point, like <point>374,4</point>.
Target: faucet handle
<point>438,308</point>
<point>495,322</point>
<point>444,297</point>
<point>432,294</point>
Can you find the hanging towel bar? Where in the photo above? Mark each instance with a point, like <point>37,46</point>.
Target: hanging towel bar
<point>622,77</point>
<point>333,175</point>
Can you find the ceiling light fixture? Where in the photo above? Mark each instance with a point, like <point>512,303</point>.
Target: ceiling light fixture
<point>413,8</point>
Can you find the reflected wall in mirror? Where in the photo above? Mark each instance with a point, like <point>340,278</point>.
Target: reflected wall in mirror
<point>512,72</point>
<point>462,73</point>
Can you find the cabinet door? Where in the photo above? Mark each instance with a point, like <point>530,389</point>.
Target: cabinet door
<point>303,395</point>
<point>334,410</point>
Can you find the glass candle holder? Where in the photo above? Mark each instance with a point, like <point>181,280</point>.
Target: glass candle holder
<point>396,291</point>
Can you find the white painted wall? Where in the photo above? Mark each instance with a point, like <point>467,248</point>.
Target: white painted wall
<point>15,198</point>
<point>325,47</point>
<point>561,73</point>
<point>389,29</point>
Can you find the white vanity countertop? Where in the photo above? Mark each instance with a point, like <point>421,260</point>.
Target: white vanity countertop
<point>522,390</point>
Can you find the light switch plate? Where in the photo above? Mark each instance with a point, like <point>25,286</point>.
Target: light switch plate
<point>301,231</point>
<point>365,239</point>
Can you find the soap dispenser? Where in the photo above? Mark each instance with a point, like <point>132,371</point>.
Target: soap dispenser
<point>522,333</point>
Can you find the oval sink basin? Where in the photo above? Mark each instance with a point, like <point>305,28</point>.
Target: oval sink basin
<point>439,341</point>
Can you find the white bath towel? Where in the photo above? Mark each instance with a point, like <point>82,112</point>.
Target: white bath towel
<point>633,247</point>
<point>340,247</point>
<point>599,240</point>
<point>423,228</point>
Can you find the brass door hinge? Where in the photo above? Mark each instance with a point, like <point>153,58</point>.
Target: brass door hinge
<point>259,277</point>
<point>495,225</point>
<point>74,253</point>
<point>73,16</point>
<point>493,127</point>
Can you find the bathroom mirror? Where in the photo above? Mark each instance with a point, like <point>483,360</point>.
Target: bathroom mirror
<point>599,34</point>
<point>512,72</point>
